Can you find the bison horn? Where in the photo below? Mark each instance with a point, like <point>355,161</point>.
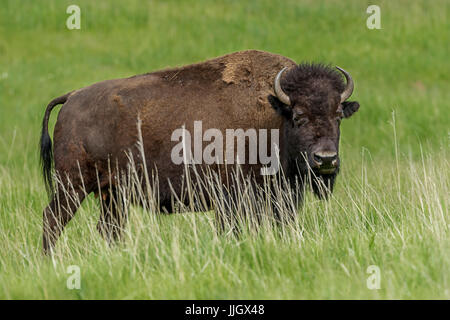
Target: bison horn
<point>349,88</point>
<point>283,97</point>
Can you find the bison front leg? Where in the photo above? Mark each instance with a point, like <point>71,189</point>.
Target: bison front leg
<point>57,214</point>
<point>113,216</point>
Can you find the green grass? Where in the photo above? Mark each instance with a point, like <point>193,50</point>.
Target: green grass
<point>390,203</point>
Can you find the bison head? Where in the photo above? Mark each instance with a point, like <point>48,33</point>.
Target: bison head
<point>312,100</point>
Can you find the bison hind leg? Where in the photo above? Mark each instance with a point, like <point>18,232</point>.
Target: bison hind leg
<point>113,215</point>
<point>58,213</point>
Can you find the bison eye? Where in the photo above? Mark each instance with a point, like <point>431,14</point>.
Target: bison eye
<point>300,120</point>
<point>340,112</point>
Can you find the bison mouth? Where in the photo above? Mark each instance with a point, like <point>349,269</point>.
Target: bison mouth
<point>327,170</point>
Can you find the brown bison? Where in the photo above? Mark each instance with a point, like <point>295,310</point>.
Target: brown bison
<point>97,129</point>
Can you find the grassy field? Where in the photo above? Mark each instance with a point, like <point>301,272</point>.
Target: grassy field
<point>390,206</point>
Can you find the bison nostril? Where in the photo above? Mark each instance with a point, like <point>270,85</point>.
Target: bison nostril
<point>317,159</point>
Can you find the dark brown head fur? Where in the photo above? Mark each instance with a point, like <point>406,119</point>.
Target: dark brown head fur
<point>312,120</point>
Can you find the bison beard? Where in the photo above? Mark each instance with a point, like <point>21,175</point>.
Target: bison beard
<point>323,185</point>
<point>96,133</point>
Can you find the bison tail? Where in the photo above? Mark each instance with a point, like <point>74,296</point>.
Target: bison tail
<point>45,145</point>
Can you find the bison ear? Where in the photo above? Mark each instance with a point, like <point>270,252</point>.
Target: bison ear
<point>280,107</point>
<point>349,108</point>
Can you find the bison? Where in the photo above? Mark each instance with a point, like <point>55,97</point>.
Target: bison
<point>96,130</point>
